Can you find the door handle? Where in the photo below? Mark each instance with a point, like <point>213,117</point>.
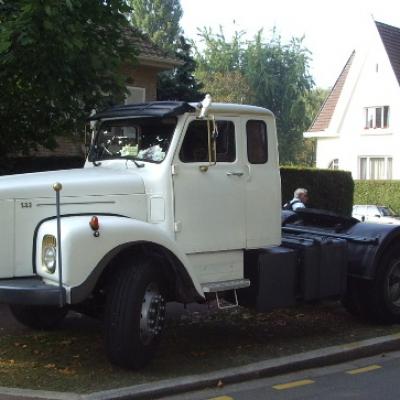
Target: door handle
<point>235,173</point>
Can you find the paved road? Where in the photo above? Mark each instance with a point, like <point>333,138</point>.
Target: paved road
<point>373,378</point>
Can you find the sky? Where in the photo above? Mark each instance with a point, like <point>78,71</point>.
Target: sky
<point>331,28</point>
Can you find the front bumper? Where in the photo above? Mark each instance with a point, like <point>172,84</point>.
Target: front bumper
<point>32,291</point>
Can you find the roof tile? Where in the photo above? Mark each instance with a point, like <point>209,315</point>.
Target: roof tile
<point>390,36</point>
<point>322,120</point>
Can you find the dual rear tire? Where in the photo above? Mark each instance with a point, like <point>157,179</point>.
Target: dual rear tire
<point>377,300</point>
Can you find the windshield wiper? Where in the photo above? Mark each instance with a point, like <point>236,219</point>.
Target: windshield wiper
<point>133,159</point>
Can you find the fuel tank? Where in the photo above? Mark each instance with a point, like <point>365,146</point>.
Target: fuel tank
<point>367,243</point>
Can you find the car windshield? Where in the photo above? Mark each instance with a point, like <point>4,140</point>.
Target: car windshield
<point>387,212</point>
<point>144,139</point>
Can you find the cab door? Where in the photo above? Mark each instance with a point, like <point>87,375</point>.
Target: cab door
<point>263,183</point>
<point>209,199</point>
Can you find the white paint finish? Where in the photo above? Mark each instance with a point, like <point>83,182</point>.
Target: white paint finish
<point>364,87</point>
<point>76,182</point>
<point>7,239</point>
<point>263,193</point>
<point>218,266</point>
<point>157,209</point>
<point>27,219</point>
<point>210,205</point>
<point>235,109</point>
<point>82,251</point>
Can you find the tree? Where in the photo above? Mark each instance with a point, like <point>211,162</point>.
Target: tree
<point>314,100</point>
<point>276,74</point>
<point>159,19</point>
<point>58,62</point>
<point>180,84</point>
<point>219,67</point>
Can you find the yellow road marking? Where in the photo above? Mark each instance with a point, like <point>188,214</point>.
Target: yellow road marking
<point>362,370</point>
<point>222,398</point>
<point>294,384</point>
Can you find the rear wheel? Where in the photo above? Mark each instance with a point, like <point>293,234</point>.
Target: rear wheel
<point>385,290</point>
<point>135,315</point>
<point>377,300</point>
<point>39,317</point>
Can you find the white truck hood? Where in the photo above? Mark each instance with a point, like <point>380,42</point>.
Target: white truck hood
<point>75,182</point>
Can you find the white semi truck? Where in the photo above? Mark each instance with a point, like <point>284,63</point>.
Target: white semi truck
<point>180,202</point>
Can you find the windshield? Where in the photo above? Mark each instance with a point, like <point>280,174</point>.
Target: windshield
<point>144,139</point>
<point>387,212</point>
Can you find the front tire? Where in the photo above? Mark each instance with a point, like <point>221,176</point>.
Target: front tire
<point>135,315</point>
<point>39,317</point>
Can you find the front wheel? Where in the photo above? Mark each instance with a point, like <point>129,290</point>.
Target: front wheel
<point>135,315</point>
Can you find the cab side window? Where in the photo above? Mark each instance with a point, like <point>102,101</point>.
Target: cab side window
<point>195,144</point>
<point>257,142</point>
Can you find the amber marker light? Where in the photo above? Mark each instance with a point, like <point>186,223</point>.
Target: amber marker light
<point>94,224</point>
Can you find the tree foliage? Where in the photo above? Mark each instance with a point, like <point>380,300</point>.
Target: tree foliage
<point>277,76</point>
<point>180,84</point>
<point>159,19</point>
<point>58,61</point>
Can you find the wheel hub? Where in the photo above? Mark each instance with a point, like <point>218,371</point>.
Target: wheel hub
<point>152,315</point>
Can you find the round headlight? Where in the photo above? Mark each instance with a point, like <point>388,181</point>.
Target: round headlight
<point>49,259</point>
<point>49,253</point>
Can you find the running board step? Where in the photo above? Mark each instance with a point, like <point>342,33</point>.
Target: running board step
<point>223,286</point>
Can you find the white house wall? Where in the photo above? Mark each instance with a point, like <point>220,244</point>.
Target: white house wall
<point>371,82</point>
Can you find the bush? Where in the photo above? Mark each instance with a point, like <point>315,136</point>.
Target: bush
<point>22,165</point>
<point>328,189</point>
<point>378,192</point>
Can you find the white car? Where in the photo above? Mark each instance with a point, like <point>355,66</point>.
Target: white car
<point>375,213</point>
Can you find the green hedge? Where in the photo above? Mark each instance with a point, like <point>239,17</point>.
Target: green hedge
<point>378,192</point>
<point>328,189</point>
<point>22,165</point>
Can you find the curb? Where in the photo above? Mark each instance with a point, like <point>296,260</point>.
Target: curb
<point>277,366</point>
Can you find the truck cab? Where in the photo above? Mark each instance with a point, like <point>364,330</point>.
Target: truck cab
<point>211,209</point>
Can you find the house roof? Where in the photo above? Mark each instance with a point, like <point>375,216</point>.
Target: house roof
<point>390,36</point>
<point>322,120</point>
<point>149,53</point>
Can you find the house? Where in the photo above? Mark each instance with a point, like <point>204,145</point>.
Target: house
<point>141,84</point>
<point>358,126</point>
<point>142,79</point>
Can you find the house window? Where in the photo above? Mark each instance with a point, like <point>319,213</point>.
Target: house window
<point>375,168</point>
<point>376,117</point>
<point>135,95</point>
<point>334,164</point>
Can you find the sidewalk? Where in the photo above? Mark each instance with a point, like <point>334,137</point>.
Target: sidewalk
<point>268,367</point>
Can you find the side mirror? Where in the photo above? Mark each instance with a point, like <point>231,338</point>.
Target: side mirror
<point>376,215</point>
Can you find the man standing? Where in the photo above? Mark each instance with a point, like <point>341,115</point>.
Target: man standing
<point>300,198</point>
